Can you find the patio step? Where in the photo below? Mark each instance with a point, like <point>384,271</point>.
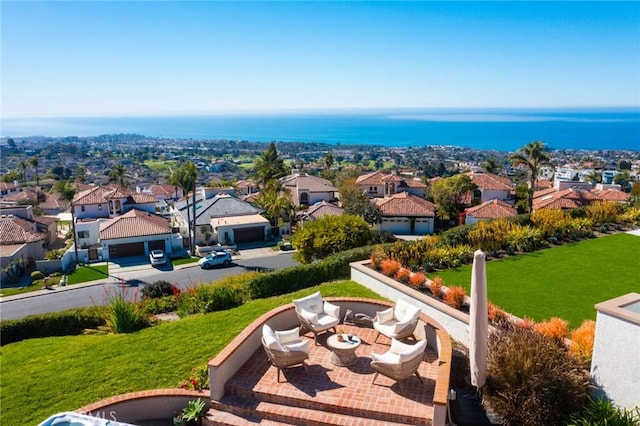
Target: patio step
<point>389,417</point>
<point>243,410</point>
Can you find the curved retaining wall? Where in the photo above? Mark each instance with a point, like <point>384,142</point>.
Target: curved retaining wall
<point>238,352</point>
<point>135,407</point>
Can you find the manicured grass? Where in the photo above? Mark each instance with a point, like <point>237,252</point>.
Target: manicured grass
<point>184,261</point>
<point>565,281</point>
<point>84,273</point>
<point>41,377</point>
<point>36,285</point>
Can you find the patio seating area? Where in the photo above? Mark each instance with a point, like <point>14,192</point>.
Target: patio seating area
<point>328,394</point>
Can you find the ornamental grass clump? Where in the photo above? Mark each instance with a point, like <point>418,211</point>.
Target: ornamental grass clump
<point>496,314</point>
<point>582,339</point>
<point>389,267</point>
<point>402,275</point>
<point>125,316</point>
<point>531,380</point>
<point>454,297</point>
<point>417,279</point>
<point>555,329</point>
<point>436,287</point>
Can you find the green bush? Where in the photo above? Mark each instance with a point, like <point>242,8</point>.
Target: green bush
<point>208,298</point>
<point>531,380</point>
<point>291,279</point>
<point>159,305</point>
<point>159,289</point>
<point>70,322</point>
<point>456,236</point>
<point>329,235</point>
<point>602,412</point>
<point>36,275</point>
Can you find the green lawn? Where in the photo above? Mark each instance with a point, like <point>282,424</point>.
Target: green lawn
<point>84,273</point>
<point>565,281</point>
<point>41,377</point>
<point>184,261</point>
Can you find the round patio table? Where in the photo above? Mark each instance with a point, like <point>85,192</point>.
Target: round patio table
<point>343,354</point>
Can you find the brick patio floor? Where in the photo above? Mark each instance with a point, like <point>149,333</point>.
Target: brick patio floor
<point>344,390</point>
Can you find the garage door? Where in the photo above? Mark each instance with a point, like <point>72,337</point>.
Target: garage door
<point>245,235</point>
<point>156,245</point>
<point>396,226</point>
<point>126,250</point>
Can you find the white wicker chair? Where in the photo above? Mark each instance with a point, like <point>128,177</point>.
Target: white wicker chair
<point>285,348</point>
<point>398,322</point>
<point>400,362</point>
<point>316,315</point>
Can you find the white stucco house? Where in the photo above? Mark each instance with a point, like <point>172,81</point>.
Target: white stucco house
<point>308,190</point>
<point>405,213</point>
<point>380,184</point>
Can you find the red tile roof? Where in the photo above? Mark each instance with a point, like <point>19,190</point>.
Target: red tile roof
<point>323,209</point>
<point>492,209</point>
<point>405,204</point>
<point>490,181</point>
<point>611,194</point>
<point>14,230</point>
<point>569,198</point>
<point>134,223</point>
<point>165,190</point>
<point>379,178</point>
<point>309,183</point>
<point>102,194</point>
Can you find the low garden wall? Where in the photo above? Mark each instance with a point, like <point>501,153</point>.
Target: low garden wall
<point>143,406</point>
<point>244,345</point>
<point>455,322</point>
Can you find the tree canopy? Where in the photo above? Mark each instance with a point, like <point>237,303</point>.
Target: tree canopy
<point>533,156</point>
<point>449,195</point>
<point>269,165</point>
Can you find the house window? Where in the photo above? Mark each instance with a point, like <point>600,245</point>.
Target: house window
<point>99,206</point>
<point>83,234</point>
<point>82,207</point>
<point>373,190</point>
<point>304,198</point>
<point>477,195</point>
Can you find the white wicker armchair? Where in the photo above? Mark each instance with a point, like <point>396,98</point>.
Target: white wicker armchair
<point>316,315</point>
<point>400,362</point>
<point>398,322</point>
<point>285,348</point>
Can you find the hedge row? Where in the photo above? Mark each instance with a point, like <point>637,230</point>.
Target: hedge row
<point>296,278</point>
<point>70,322</point>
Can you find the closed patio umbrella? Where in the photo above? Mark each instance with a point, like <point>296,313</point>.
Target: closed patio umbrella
<point>478,321</point>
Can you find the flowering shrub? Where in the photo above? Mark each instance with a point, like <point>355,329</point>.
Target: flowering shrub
<point>551,222</point>
<point>490,236</point>
<point>402,275</point>
<point>582,341</point>
<point>436,287</point>
<point>526,322</point>
<point>604,212</point>
<point>455,297</point>
<point>389,267</point>
<point>198,380</point>
<point>417,279</point>
<point>555,328</point>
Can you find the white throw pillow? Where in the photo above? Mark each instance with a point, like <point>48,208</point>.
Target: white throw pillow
<point>413,351</point>
<point>401,325</point>
<point>300,346</point>
<point>310,317</point>
<point>272,342</point>
<point>384,316</point>
<point>288,336</point>
<point>332,310</point>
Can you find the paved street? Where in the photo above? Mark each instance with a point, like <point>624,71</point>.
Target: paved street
<point>136,276</point>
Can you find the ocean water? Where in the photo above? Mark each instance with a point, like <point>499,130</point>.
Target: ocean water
<point>502,130</point>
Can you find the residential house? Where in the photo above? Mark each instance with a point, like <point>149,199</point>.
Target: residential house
<point>246,187</point>
<point>490,187</point>
<point>319,210</point>
<point>112,222</point>
<point>406,213</point>
<point>489,210</point>
<point>222,218</point>
<point>569,198</point>
<point>20,244</point>
<point>308,190</point>
<point>46,225</point>
<point>380,184</point>
<point>7,188</point>
<point>110,201</point>
<point>611,194</point>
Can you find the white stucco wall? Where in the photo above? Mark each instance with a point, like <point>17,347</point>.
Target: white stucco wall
<point>93,228</point>
<point>91,210</point>
<point>490,194</point>
<point>615,365</point>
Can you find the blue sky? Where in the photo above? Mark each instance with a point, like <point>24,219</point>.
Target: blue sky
<point>66,58</point>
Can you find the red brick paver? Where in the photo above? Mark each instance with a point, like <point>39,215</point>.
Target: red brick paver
<point>341,390</point>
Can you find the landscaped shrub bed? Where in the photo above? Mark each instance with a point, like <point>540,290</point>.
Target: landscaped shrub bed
<point>70,322</point>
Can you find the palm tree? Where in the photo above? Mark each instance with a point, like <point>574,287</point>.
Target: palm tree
<point>276,202</point>
<point>491,165</point>
<point>532,155</point>
<point>117,174</point>
<point>594,177</point>
<point>269,165</point>
<point>185,177</point>
<point>34,162</point>
<point>23,166</point>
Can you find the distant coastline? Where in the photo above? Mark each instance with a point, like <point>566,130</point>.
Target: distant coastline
<point>484,129</point>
